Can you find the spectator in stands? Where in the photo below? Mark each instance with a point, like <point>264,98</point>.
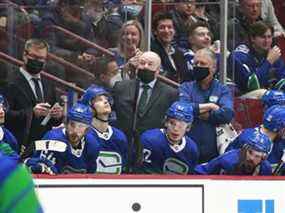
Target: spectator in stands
<point>213,104</point>
<point>146,98</point>
<point>169,150</point>
<point>131,45</point>
<point>107,72</point>
<point>183,15</point>
<point>69,15</point>
<point>31,98</point>
<point>94,9</point>
<point>249,12</point>
<point>257,65</point>
<point>173,64</point>
<point>203,12</point>
<point>273,126</point>
<point>16,23</point>
<point>248,160</point>
<point>268,15</point>
<point>199,36</point>
<point>108,26</point>
<point>68,149</point>
<point>130,9</point>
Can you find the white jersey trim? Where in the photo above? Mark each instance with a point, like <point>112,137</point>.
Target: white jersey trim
<point>104,135</point>
<point>175,147</point>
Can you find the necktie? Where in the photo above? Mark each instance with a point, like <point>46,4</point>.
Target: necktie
<point>40,98</point>
<point>143,99</point>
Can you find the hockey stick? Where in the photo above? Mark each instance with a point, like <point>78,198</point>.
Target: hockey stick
<point>280,165</point>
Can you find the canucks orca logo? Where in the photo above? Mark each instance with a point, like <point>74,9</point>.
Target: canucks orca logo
<point>109,163</point>
<point>174,166</point>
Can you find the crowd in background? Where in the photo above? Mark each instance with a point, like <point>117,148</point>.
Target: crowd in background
<point>128,120</point>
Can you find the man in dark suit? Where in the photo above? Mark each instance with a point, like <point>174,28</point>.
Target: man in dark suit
<point>31,98</point>
<point>145,97</point>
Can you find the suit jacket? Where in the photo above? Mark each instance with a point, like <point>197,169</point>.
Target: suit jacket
<point>162,97</point>
<point>20,118</point>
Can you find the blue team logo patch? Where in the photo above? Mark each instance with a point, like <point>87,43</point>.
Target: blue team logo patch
<point>242,48</point>
<point>109,163</point>
<point>175,166</point>
<point>213,99</point>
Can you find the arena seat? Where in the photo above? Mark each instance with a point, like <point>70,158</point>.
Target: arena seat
<point>248,112</point>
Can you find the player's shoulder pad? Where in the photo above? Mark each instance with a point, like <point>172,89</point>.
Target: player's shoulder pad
<point>50,145</point>
<point>242,48</point>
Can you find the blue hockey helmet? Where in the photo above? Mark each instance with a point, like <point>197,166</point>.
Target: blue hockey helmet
<point>273,97</point>
<point>274,118</point>
<point>81,113</point>
<point>258,141</point>
<point>181,111</point>
<point>92,92</point>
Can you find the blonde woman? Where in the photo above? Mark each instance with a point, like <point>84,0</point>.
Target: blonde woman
<point>131,46</point>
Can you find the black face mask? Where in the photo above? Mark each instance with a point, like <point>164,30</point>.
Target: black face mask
<point>146,75</point>
<point>200,73</point>
<point>34,66</point>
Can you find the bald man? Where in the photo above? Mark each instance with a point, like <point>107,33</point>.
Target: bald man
<point>150,97</point>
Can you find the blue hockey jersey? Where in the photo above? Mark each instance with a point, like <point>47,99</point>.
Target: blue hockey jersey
<point>227,164</point>
<point>245,65</point>
<point>8,144</point>
<point>55,147</point>
<point>164,158</point>
<point>277,150</point>
<point>277,156</point>
<point>113,156</point>
<point>16,187</point>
